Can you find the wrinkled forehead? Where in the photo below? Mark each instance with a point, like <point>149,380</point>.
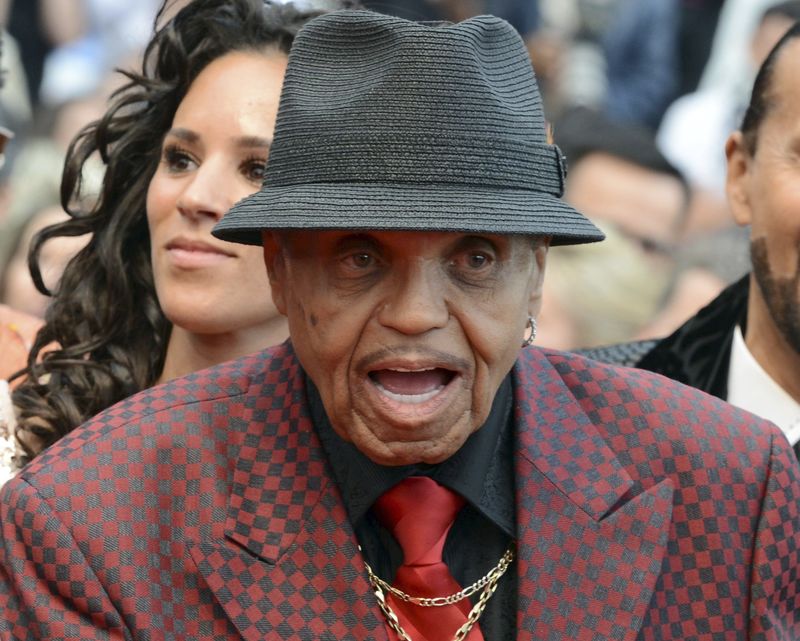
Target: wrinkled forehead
<point>301,241</point>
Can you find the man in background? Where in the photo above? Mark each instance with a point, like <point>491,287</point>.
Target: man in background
<point>609,292</point>
<point>745,345</point>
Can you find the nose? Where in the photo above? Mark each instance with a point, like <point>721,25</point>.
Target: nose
<point>416,302</point>
<point>206,194</point>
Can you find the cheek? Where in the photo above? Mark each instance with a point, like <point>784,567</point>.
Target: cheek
<point>782,252</point>
<point>496,339</point>
<point>160,202</point>
<point>495,333</point>
<point>327,332</point>
<point>496,327</point>
<point>254,287</point>
<point>253,262</point>
<point>776,220</point>
<point>315,318</point>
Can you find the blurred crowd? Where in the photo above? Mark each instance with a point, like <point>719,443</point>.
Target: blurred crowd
<point>640,94</point>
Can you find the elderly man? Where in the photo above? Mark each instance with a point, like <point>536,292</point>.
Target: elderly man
<point>401,469</point>
<point>745,345</point>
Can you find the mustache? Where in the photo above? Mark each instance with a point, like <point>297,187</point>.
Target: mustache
<point>441,358</point>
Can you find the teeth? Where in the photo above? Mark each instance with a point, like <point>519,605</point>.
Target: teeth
<point>403,369</point>
<point>414,399</point>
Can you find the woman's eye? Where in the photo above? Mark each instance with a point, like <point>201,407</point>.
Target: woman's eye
<point>177,159</point>
<point>254,169</point>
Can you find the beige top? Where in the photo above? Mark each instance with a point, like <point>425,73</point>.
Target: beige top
<point>7,424</point>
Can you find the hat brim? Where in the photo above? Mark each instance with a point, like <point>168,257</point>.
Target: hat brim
<point>393,207</point>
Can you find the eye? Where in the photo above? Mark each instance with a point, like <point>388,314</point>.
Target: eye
<point>253,169</point>
<point>477,260</point>
<point>360,260</point>
<point>177,159</point>
<point>473,261</point>
<point>357,260</point>
<point>474,265</point>
<point>356,266</point>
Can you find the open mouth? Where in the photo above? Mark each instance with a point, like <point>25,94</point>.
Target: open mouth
<point>411,386</point>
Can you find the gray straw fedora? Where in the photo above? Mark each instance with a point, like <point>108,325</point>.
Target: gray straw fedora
<point>387,124</point>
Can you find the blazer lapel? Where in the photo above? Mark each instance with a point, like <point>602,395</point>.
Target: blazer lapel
<point>290,565</point>
<point>590,542</point>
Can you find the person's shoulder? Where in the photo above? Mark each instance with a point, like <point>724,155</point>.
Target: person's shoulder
<point>635,399</point>
<point>626,354</point>
<point>194,411</point>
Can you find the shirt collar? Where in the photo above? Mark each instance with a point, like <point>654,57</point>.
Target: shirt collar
<point>752,389</point>
<point>480,470</point>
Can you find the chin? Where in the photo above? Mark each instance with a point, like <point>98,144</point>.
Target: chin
<point>395,453</point>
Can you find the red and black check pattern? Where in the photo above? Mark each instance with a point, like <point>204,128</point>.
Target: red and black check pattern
<point>204,509</point>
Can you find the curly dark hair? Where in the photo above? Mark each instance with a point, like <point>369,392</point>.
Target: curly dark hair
<point>109,332</point>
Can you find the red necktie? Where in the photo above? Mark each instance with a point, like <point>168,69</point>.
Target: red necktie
<point>419,513</point>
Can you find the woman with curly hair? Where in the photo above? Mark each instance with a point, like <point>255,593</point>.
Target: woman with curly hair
<point>153,295</point>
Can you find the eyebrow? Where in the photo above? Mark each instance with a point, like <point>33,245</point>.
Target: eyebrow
<point>245,142</point>
<point>358,239</point>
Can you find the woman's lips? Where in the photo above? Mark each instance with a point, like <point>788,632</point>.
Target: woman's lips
<point>196,253</point>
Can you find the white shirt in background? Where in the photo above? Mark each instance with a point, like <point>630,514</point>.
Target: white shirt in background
<point>752,389</point>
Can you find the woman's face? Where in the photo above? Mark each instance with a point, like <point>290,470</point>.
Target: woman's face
<point>213,156</point>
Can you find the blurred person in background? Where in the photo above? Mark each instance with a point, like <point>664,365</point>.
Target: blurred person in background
<point>617,56</point>
<point>69,46</point>
<point>693,131</point>
<point>626,186</point>
<point>34,176</point>
<point>15,114</point>
<point>729,52</point>
<point>409,444</point>
<point>697,24</point>
<point>17,289</point>
<point>17,332</point>
<point>148,298</point>
<point>744,346</point>
<point>523,15</point>
<point>39,27</point>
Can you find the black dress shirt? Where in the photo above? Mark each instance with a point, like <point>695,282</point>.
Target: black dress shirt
<point>481,471</point>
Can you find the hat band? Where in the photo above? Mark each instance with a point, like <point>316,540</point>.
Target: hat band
<point>509,164</point>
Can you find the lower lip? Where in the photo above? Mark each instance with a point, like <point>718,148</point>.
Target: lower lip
<point>413,411</point>
<point>194,259</point>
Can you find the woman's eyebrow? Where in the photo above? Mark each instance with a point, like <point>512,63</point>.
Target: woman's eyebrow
<point>187,135</point>
<point>253,141</point>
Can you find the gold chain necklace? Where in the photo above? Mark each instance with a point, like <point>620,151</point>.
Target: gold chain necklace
<point>488,582</point>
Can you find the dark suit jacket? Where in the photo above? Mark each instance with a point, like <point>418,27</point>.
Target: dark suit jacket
<point>205,509</point>
<point>698,353</point>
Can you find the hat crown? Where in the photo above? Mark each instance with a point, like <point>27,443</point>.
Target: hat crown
<point>372,98</point>
<point>389,124</point>
<point>384,74</point>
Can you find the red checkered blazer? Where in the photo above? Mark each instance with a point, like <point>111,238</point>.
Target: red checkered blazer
<point>204,509</point>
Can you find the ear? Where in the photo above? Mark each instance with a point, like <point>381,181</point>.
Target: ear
<point>276,269</point>
<point>540,260</point>
<point>737,184</point>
